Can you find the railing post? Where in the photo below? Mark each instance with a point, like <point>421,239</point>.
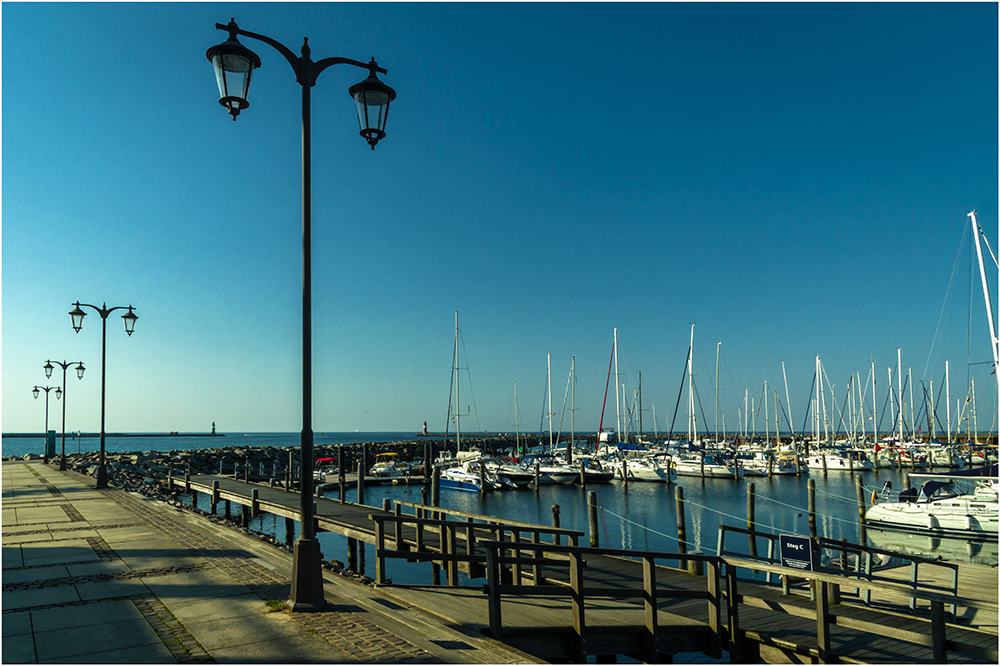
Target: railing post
<point>733,611</point>
<point>939,637</point>
<point>681,526</point>
<point>650,643</point>
<point>254,502</point>
<point>823,621</point>
<point>380,551</point>
<point>361,483</point>
<point>214,504</point>
<point>289,531</point>
<point>493,584</point>
<point>714,607</point>
<point>400,544</point>
<point>187,485</point>
<point>452,551</point>
<point>536,569</point>
<point>752,518</point>
<point>578,645</point>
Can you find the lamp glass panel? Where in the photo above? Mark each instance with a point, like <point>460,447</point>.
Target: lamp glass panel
<point>232,72</point>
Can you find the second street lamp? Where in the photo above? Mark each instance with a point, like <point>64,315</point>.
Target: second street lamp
<point>234,65</point>
<point>129,318</point>
<point>79,375</point>
<point>35,392</point>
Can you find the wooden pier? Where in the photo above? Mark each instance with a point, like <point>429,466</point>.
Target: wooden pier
<point>551,597</point>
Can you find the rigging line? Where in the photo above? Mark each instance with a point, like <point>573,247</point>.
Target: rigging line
<point>472,390</point>
<point>944,304</point>
<point>818,514</point>
<point>562,417</point>
<point>848,500</point>
<point>645,527</point>
<point>812,387</point>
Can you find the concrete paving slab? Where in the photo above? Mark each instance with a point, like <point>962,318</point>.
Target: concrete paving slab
<point>19,649</point>
<point>11,555</point>
<point>79,641</point>
<point>37,514</point>
<point>193,586</point>
<point>97,568</point>
<point>16,623</point>
<point>26,538</point>
<point>218,609</point>
<point>140,654</point>
<point>234,632</point>
<point>57,552</point>
<point>34,573</point>
<point>89,615</point>
<point>18,599</point>
<point>111,589</point>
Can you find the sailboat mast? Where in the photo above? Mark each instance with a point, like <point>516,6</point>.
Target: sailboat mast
<point>572,414</point>
<point>458,399</point>
<point>640,404</point>
<point>717,345</point>
<point>913,416</point>
<point>899,391</point>
<point>947,398</point>
<point>788,403</point>
<point>548,390</point>
<point>618,404</point>
<point>517,423</point>
<point>692,425</point>
<point>994,338</point>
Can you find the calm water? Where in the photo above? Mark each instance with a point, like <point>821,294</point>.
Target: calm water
<point>642,518</point>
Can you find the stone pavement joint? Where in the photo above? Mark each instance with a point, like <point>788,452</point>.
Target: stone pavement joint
<point>174,635</point>
<point>100,578</point>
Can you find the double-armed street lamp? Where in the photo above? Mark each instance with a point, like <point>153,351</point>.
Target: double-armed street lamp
<point>234,64</point>
<point>129,318</point>
<point>35,391</point>
<point>79,375</point>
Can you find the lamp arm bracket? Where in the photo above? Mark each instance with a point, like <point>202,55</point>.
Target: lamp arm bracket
<point>105,311</point>
<point>292,59</point>
<point>327,62</point>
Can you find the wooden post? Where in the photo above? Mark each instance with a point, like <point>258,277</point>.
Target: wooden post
<point>625,472</point>
<point>424,493</point>
<point>536,477</point>
<point>595,537</point>
<point>449,535</point>
<point>823,622</point>
<point>290,471</point>
<point>386,504</point>
<point>245,514</point>
<point>341,473</point>
<point>187,485</point>
<point>361,482</point>
<point>428,462</point>
<point>703,463</point>
<point>254,502</point>
<point>493,584</point>
<point>752,517</point>
<point>380,551</point>
<point>583,476</point>
<point>578,647</point>
<point>214,505</point>
<point>939,639</point>
<point>352,554</point>
<point>811,485</point>
<point>555,522</point>
<point>714,607</point>
<point>400,544</point>
<point>682,547</point>
<point>289,531</point>
<point>732,609</point>
<point>436,488</point>
<point>650,640</point>
<point>482,479</point>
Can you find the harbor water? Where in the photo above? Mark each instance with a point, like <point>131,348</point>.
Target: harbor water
<point>641,517</point>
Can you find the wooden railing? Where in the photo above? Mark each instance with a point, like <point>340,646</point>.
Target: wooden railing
<point>863,568</point>
<point>503,554</point>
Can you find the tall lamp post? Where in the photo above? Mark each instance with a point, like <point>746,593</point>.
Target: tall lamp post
<point>234,64</point>
<point>35,391</point>
<point>79,375</point>
<point>129,318</point>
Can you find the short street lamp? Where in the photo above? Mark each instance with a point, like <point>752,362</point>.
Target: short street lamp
<point>129,318</point>
<point>234,65</point>
<point>35,392</point>
<point>79,375</point>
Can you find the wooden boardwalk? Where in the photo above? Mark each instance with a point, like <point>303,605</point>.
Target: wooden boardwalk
<point>538,606</point>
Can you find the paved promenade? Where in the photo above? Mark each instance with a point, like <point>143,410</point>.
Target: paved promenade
<point>107,576</point>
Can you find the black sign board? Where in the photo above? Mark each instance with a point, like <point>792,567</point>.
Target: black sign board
<point>796,552</point>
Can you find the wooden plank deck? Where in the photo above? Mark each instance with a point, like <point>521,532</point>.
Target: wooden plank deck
<point>775,627</point>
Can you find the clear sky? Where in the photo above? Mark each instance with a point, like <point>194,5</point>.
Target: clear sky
<point>793,179</point>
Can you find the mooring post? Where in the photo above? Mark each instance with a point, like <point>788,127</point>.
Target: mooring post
<point>289,532</point>
<point>352,554</point>
<point>436,489</point>
<point>341,473</point>
<point>361,482</point>
<point>386,504</point>
<point>583,477</point>
<point>214,505</point>
<point>812,508</point>
<point>482,479</point>
<point>424,493</point>
<point>555,522</point>
<point>681,526</point>
<point>537,475</point>
<point>752,517</point>
<point>595,539</point>
<point>428,462</point>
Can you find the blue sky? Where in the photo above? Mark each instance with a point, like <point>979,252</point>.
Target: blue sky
<point>793,179</point>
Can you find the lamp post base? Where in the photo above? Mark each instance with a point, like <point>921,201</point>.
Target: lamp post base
<point>102,476</point>
<point>307,577</point>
